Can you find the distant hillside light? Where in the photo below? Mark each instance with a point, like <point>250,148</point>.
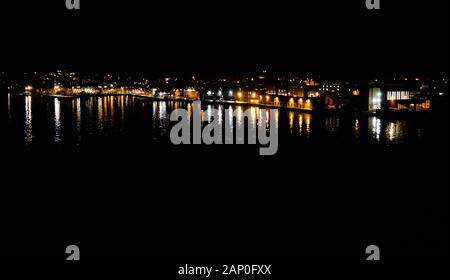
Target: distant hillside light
<point>73,4</point>
<point>373,4</point>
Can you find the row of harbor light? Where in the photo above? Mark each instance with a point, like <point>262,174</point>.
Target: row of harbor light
<point>219,93</point>
<point>254,95</point>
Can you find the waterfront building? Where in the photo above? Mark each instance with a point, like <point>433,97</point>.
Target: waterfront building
<point>399,96</point>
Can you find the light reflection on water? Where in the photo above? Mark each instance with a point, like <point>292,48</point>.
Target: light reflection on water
<point>76,110</point>
<point>308,125</point>
<point>395,131</point>
<point>356,128</point>
<point>100,116</point>
<point>57,138</point>
<point>375,128</point>
<point>124,115</point>
<point>28,127</point>
<point>332,124</point>
<point>9,108</point>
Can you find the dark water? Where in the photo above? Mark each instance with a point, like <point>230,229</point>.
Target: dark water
<point>98,171</point>
<point>34,122</point>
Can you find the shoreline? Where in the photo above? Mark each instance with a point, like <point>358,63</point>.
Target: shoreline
<point>224,102</point>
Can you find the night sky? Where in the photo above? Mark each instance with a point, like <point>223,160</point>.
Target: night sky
<point>328,38</point>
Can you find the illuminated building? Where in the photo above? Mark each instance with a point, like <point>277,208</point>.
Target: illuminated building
<point>376,98</point>
<point>397,97</point>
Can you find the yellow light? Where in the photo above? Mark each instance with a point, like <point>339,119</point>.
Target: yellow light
<point>29,88</point>
<point>239,94</point>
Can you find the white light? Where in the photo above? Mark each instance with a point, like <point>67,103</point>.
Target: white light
<point>230,93</point>
<point>220,93</point>
<point>209,93</point>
